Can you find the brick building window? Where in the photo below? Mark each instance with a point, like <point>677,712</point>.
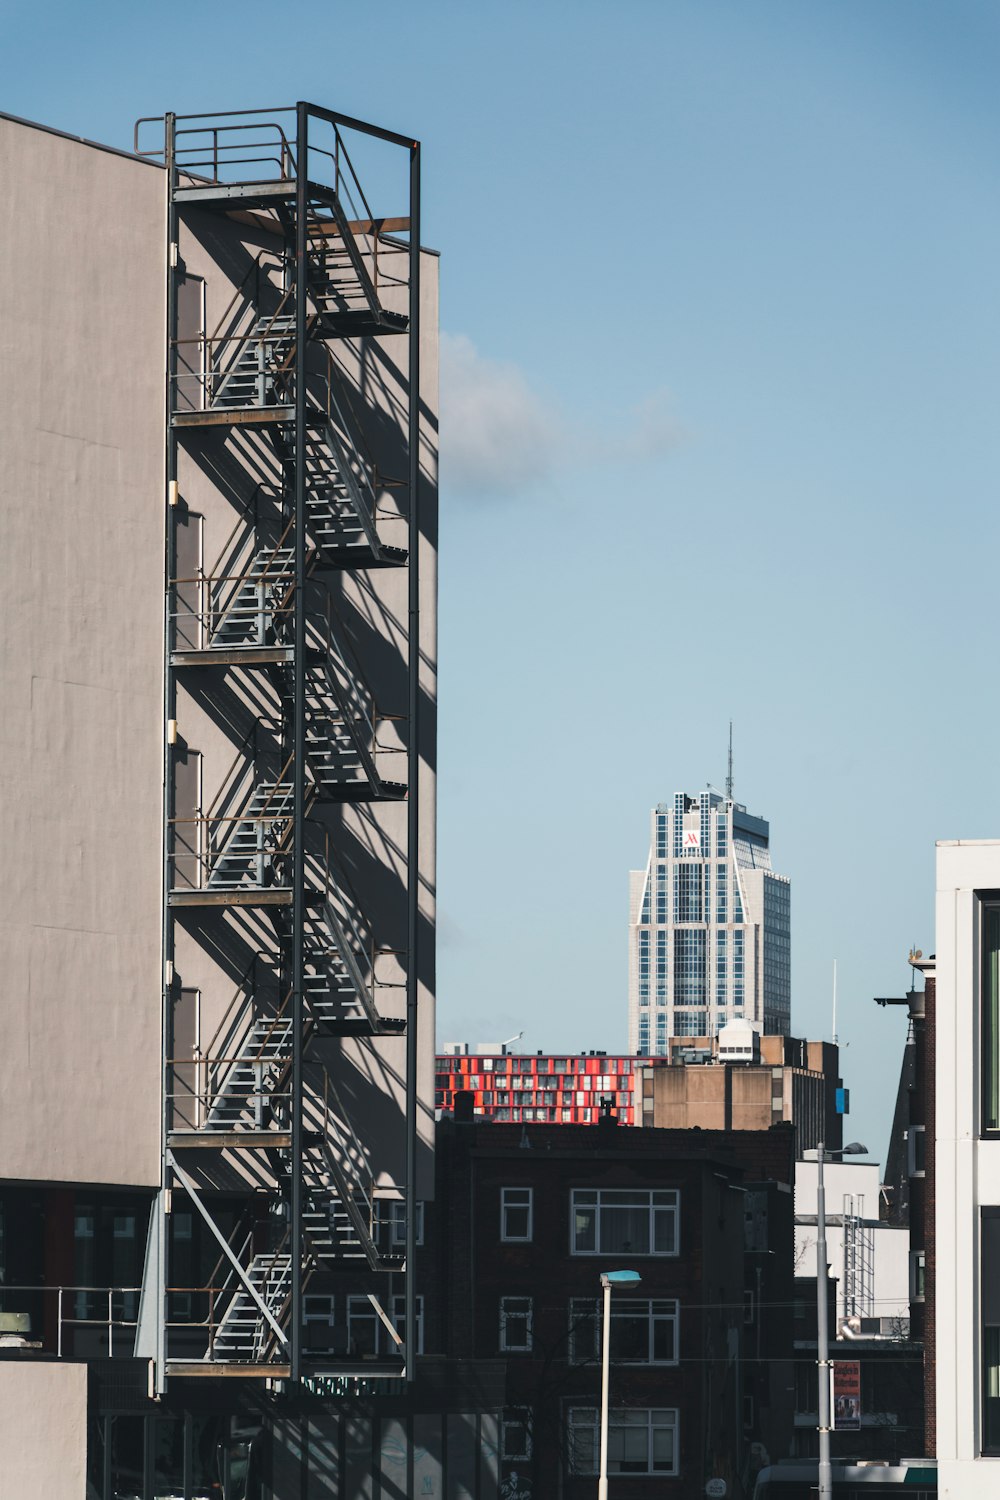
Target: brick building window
<point>641,1440</point>
<point>515,1325</point>
<point>516,1214</point>
<point>515,1435</point>
<point>632,1221</point>
<point>367,1334</point>
<point>644,1330</point>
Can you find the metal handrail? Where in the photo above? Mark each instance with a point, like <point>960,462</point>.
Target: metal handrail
<point>239,992</point>
<point>249,118</point>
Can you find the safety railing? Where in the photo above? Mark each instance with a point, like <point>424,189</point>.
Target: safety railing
<point>253,148</point>
<point>76,1322</point>
<point>254,838</point>
<point>222,147</point>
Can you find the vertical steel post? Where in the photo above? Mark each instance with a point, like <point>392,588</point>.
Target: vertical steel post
<point>413,766</point>
<point>159,1268</point>
<point>822,1332</point>
<point>299,731</point>
<point>602,1482</point>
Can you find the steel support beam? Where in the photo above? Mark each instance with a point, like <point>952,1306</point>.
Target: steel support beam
<point>413,765</point>
<point>299,728</point>
<point>169,713</point>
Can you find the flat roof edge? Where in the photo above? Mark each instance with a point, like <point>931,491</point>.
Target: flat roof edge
<point>966,843</point>
<point>81,140</point>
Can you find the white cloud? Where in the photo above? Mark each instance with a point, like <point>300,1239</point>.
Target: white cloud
<point>498,436</point>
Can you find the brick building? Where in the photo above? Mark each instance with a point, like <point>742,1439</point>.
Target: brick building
<point>738,1080</point>
<point>524,1220</point>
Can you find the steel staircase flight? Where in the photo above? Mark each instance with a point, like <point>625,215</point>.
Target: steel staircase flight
<point>262,356</point>
<point>252,1077</point>
<point>336,1222</point>
<point>243,1335</point>
<point>340,730</point>
<point>261,593</point>
<point>341,503</point>
<point>339,984</point>
<point>254,837</point>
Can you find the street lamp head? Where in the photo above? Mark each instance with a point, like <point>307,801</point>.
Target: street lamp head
<point>619,1278</point>
<point>854,1149</point>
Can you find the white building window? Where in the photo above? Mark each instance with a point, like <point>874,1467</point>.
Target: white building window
<point>515,1325</point>
<point>916,1141</point>
<point>629,1221</point>
<point>918,1266</point>
<point>369,1336</point>
<point>515,1436</point>
<point>516,1214</point>
<point>641,1440</point>
<point>644,1330</point>
<point>391,1223</point>
<point>399,1323</point>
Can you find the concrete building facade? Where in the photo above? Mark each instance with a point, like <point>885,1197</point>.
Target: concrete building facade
<point>709,926</point>
<point>216,1117</point>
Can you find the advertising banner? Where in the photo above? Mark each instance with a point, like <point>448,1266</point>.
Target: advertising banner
<point>846,1395</point>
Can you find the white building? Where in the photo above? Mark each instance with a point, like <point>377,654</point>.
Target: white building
<point>967,1168</point>
<point>708,926</point>
<point>868,1259</point>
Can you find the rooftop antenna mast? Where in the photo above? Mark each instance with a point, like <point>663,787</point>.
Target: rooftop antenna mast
<point>729,778</point>
<point>835,1002</point>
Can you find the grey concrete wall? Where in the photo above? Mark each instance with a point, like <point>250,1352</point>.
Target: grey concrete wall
<point>81,558</point>
<point>43,1430</point>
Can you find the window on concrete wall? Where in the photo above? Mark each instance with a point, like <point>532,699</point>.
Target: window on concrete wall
<point>990,1006</point>
<point>989,1290</point>
<point>641,1440</point>
<point>516,1214</point>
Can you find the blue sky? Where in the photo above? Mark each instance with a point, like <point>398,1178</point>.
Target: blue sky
<point>720,303</point>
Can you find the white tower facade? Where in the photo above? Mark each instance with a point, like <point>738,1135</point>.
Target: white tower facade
<point>709,933</point>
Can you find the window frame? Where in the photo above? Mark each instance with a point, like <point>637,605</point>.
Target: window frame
<point>987,907</point>
<point>590,1327</point>
<point>516,1417</point>
<point>588,1419</point>
<point>508,1315</point>
<point>593,1199</point>
<point>517,1239</point>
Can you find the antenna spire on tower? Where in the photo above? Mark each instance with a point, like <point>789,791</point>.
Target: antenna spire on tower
<point>729,778</point>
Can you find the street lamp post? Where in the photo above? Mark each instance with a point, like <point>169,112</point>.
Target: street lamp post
<point>609,1279</point>
<point>822,1325</point>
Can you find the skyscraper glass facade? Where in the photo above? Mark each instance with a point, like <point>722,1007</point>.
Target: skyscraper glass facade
<point>709,933</point>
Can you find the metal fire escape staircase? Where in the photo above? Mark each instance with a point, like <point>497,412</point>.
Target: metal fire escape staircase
<point>269,369</point>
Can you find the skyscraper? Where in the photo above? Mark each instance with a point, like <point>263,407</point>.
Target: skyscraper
<point>708,925</point>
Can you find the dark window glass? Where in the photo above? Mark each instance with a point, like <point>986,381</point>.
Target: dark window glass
<point>991,1016</point>
<point>990,1301</point>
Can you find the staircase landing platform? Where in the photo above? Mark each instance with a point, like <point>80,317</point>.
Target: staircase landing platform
<point>229,1140</point>
<point>214,1368</point>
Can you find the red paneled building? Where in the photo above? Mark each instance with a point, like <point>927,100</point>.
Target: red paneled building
<point>555,1089</point>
